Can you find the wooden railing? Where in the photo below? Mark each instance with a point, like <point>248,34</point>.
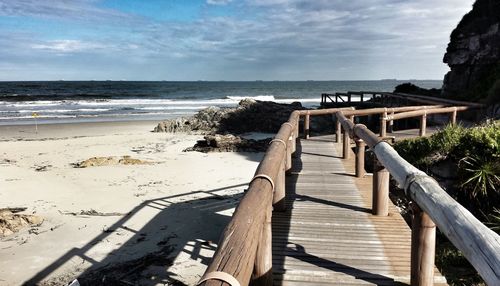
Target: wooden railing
<point>385,97</point>
<point>431,206</point>
<point>244,253</point>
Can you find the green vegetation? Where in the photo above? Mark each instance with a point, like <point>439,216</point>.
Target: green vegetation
<point>472,159</point>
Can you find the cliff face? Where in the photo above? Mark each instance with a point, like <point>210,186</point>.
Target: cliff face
<point>473,54</point>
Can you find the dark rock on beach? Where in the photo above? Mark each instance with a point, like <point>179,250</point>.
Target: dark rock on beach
<point>223,125</point>
<point>473,55</point>
<point>413,89</point>
<point>229,143</point>
<point>249,116</point>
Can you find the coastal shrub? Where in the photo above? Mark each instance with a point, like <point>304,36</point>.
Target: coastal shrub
<point>453,141</point>
<point>416,151</point>
<point>494,220</point>
<point>480,176</point>
<point>481,141</point>
<point>474,153</point>
<point>447,139</point>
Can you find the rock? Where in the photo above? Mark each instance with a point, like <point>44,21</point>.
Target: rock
<point>205,121</point>
<point>11,222</point>
<point>109,161</point>
<point>444,169</point>
<point>473,54</point>
<point>249,116</point>
<point>413,89</point>
<point>229,143</point>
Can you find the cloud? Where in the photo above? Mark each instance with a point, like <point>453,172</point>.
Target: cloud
<point>219,2</point>
<point>85,10</point>
<point>275,39</point>
<point>69,46</point>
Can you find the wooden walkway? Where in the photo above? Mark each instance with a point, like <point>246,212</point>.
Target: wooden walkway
<point>328,235</point>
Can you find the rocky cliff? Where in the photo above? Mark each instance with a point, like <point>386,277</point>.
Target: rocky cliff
<point>473,55</point>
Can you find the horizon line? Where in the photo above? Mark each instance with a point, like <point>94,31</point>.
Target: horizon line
<point>221,80</point>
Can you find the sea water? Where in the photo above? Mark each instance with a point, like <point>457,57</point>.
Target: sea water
<point>95,101</point>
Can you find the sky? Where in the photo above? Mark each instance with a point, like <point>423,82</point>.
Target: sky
<point>226,39</point>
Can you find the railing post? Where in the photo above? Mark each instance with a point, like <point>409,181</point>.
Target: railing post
<point>346,142</point>
<point>338,131</point>
<point>306,126</point>
<point>263,268</point>
<point>383,124</point>
<point>295,136</point>
<point>280,189</point>
<point>288,159</point>
<point>391,124</point>
<point>380,196</point>
<point>423,248</point>
<point>360,158</point>
<point>423,124</point>
<point>293,142</point>
<point>453,119</point>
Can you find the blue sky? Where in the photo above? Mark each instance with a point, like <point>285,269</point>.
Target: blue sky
<point>225,39</point>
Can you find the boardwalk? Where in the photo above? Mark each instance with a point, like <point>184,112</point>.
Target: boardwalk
<point>328,235</point>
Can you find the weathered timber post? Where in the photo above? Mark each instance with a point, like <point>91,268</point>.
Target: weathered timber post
<point>349,97</point>
<point>338,131</point>
<point>346,142</point>
<point>423,124</point>
<point>453,117</point>
<point>288,159</point>
<point>360,158</point>
<point>383,124</point>
<point>391,123</point>
<point>423,248</point>
<point>361,97</point>
<point>306,126</point>
<point>380,196</point>
<point>263,268</point>
<point>293,142</point>
<point>280,189</point>
<point>295,136</point>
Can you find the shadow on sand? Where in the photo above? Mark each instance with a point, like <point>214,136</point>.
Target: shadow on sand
<point>188,223</point>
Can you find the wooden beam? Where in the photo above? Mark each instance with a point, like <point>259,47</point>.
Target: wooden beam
<point>380,197</point>
<point>306,126</point>
<point>263,269</point>
<point>423,248</point>
<point>423,124</point>
<point>479,244</point>
<point>360,158</point>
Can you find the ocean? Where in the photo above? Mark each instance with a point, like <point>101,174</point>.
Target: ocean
<point>96,101</point>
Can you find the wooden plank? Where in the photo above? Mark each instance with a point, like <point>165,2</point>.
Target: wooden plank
<point>328,236</point>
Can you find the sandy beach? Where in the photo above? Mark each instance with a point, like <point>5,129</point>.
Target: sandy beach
<point>154,223</point>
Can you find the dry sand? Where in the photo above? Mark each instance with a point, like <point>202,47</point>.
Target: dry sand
<point>155,223</point>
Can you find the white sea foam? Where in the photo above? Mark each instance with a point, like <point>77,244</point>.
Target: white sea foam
<point>258,97</point>
<point>123,108</point>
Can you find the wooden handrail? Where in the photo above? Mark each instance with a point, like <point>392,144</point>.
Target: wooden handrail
<point>244,250</point>
<point>431,99</point>
<point>417,113</point>
<point>479,244</point>
<point>413,97</point>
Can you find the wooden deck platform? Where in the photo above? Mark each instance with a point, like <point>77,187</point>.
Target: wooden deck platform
<point>328,235</point>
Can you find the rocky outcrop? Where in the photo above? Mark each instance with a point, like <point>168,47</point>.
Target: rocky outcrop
<point>205,121</point>
<point>473,54</point>
<point>229,143</point>
<point>249,116</point>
